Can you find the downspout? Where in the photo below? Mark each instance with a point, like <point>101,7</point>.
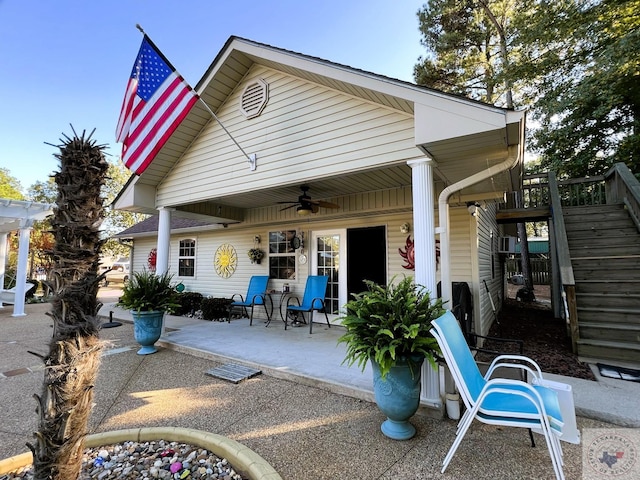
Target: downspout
<point>514,156</point>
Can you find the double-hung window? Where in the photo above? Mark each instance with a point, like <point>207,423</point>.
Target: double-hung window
<point>187,258</point>
<point>282,255</point>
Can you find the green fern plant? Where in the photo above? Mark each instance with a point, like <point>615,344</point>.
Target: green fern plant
<point>386,323</point>
<point>147,291</point>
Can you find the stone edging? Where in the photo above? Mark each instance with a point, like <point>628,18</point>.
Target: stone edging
<point>241,457</point>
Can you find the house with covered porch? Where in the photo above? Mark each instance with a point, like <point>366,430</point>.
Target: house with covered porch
<point>347,173</point>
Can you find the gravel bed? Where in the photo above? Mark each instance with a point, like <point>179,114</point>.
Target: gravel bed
<point>148,460</point>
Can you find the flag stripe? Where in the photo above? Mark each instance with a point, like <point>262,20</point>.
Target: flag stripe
<point>145,145</point>
<point>147,114</point>
<point>156,101</point>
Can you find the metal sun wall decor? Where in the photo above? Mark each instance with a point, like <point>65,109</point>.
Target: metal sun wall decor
<point>408,254</point>
<point>225,260</point>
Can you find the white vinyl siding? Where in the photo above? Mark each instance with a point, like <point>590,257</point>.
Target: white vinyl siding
<point>306,131</point>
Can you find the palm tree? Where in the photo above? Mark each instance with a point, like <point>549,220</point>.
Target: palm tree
<point>71,365</point>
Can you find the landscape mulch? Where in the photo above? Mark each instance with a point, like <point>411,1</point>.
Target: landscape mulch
<point>545,338</point>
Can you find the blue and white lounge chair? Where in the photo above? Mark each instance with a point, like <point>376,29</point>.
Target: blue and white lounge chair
<point>313,299</point>
<point>498,401</point>
<point>256,295</point>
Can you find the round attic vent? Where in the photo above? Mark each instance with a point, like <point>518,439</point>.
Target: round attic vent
<point>254,98</point>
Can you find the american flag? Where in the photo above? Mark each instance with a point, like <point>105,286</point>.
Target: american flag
<point>156,101</point>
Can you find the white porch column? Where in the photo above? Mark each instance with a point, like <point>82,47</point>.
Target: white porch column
<point>164,236</point>
<point>425,257</point>
<point>21,273</point>
<point>3,259</point>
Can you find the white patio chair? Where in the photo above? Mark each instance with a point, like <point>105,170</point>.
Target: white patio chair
<point>498,401</point>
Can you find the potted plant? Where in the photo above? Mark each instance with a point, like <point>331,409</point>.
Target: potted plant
<point>389,325</point>
<point>255,254</point>
<point>148,296</point>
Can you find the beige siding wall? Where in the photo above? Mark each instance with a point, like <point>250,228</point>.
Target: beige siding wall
<point>462,244</point>
<point>488,257</point>
<point>306,131</point>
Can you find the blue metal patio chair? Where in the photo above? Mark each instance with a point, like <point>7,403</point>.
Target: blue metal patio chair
<point>313,299</point>
<point>498,401</point>
<point>256,295</point>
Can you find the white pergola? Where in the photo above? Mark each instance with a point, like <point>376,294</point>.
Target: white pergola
<point>18,215</point>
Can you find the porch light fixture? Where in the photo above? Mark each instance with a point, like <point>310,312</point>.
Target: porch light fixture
<point>473,208</point>
<point>405,228</point>
<point>304,210</point>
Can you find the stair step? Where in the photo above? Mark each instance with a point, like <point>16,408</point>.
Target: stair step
<point>609,300</point>
<point>620,287</point>
<point>601,232</point>
<point>627,239</point>
<point>599,208</point>
<point>603,250</point>
<point>609,350</point>
<point>589,219</point>
<point>613,315</point>
<point>621,332</point>
<point>620,267</point>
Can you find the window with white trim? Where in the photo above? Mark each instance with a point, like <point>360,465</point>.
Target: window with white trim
<point>282,255</point>
<point>187,258</point>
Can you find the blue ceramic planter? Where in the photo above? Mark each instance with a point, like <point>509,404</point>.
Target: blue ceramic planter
<point>398,397</point>
<point>147,328</point>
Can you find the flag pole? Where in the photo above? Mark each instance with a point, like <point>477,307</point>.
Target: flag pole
<point>250,158</point>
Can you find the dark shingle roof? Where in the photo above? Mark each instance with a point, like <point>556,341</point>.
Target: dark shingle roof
<point>150,225</point>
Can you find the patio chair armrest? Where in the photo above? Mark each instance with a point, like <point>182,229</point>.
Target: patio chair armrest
<point>239,295</point>
<point>313,302</point>
<point>497,385</point>
<point>258,295</point>
<point>498,362</point>
<point>290,299</point>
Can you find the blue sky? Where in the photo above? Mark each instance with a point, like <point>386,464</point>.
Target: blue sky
<point>67,61</point>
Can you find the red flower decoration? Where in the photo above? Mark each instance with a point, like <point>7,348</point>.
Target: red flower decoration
<point>409,255</point>
<point>151,259</point>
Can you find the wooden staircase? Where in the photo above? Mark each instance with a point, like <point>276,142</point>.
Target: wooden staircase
<point>604,245</point>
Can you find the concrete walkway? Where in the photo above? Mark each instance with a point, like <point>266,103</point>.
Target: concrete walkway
<point>307,415</point>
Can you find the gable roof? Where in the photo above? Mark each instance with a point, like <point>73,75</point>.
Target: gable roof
<point>238,55</point>
<point>461,135</point>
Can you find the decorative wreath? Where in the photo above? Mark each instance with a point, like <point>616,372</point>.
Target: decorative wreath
<point>151,259</point>
<point>409,254</point>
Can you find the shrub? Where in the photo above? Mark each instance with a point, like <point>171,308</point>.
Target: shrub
<point>215,308</point>
<point>189,303</point>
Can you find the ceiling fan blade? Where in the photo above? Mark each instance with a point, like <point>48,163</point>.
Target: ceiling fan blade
<point>287,208</point>
<point>324,204</point>
<point>295,203</point>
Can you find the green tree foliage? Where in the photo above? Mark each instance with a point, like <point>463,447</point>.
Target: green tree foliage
<point>574,63</point>
<point>117,220</point>
<point>468,48</point>
<point>10,186</point>
<point>581,60</point>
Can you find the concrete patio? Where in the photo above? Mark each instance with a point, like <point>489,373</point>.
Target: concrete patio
<point>307,415</point>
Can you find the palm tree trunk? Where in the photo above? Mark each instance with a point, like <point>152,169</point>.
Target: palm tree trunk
<point>71,365</point>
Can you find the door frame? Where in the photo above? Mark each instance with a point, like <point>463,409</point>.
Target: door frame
<point>342,267</point>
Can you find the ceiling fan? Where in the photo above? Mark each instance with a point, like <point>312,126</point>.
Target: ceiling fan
<point>306,205</point>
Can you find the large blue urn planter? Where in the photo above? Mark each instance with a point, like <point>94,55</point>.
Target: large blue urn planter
<point>398,397</point>
<point>147,328</point>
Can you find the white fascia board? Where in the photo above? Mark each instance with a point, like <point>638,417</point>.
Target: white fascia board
<point>434,123</point>
<point>136,197</point>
